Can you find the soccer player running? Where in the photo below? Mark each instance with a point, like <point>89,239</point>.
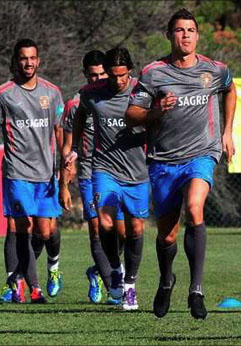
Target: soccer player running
<point>177,99</point>
<point>30,112</point>
<point>120,175</point>
<point>94,71</point>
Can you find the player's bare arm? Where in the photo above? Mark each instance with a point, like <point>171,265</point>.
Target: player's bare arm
<point>65,174</point>
<point>136,115</point>
<point>78,126</point>
<point>229,104</point>
<point>59,137</point>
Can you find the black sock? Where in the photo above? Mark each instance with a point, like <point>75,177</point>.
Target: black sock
<point>195,245</point>
<point>10,253</point>
<point>102,263</point>
<point>26,259</point>
<point>165,256</point>
<point>121,244</point>
<point>37,244</point>
<point>109,241</point>
<point>133,256</point>
<point>53,248</point>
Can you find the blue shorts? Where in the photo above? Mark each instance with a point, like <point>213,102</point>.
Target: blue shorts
<point>24,198</point>
<point>167,181</point>
<point>87,196</point>
<point>111,192</point>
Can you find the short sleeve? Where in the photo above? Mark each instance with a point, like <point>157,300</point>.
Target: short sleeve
<point>226,78</point>
<point>143,93</point>
<point>59,108</point>
<point>68,115</point>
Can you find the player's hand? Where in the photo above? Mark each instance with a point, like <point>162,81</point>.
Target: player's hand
<point>168,102</point>
<point>69,158</point>
<point>65,197</point>
<point>228,146</point>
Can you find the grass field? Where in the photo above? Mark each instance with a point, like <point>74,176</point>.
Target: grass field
<point>71,320</point>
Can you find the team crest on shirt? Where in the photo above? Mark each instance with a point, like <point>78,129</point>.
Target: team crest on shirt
<point>206,79</point>
<point>44,102</point>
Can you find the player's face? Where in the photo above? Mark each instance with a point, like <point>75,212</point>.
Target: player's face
<point>28,62</point>
<point>119,77</point>
<point>184,37</point>
<point>95,73</point>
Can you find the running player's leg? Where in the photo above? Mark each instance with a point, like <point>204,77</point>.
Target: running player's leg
<point>11,263</point>
<point>48,209</point>
<point>195,194</point>
<point>110,244</point>
<point>133,255</point>
<point>102,269</point>
<point>106,191</point>
<point>167,200</point>
<point>135,203</point>
<point>19,203</point>
<point>200,174</point>
<point>52,245</point>
<point>166,249</point>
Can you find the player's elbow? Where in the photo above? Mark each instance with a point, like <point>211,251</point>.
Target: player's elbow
<point>131,117</point>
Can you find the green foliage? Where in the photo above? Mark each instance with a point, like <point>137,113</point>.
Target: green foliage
<point>156,45</point>
<point>212,10</point>
<point>71,320</point>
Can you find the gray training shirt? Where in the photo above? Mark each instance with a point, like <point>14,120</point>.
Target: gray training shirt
<point>28,118</point>
<point>118,150</point>
<point>192,127</point>
<point>87,137</point>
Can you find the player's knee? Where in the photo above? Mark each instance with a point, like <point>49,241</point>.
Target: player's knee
<point>137,230</point>
<point>45,235</point>
<point>194,214</point>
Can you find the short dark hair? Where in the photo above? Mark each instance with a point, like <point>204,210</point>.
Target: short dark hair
<point>118,57</point>
<point>93,58</point>
<point>182,13</point>
<point>23,43</point>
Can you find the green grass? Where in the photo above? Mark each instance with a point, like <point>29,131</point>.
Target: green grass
<point>71,320</point>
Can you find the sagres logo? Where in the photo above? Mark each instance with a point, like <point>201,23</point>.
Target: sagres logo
<point>206,79</point>
<point>44,102</point>
<point>32,123</point>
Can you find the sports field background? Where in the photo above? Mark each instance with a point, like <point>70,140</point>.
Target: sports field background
<point>71,320</point>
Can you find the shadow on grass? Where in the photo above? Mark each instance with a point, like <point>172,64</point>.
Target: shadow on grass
<point>71,311</point>
<point>36,332</point>
<point>192,338</point>
<point>103,308</point>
